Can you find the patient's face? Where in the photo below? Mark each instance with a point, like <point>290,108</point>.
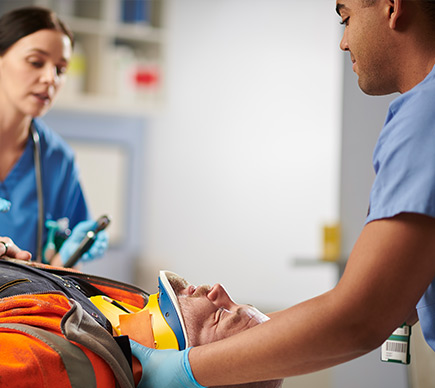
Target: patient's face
<point>210,314</point>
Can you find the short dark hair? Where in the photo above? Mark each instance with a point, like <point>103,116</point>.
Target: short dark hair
<point>24,21</point>
<point>428,7</point>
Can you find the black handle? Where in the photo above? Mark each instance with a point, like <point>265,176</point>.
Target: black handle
<point>87,241</point>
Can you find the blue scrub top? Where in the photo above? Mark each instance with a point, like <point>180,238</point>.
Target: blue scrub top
<point>404,161</point>
<point>63,195</point>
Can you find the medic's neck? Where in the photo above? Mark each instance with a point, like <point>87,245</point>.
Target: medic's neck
<point>14,130</point>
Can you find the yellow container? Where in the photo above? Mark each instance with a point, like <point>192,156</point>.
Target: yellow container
<point>331,242</point>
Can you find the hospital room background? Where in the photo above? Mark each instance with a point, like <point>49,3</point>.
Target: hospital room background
<point>224,137</point>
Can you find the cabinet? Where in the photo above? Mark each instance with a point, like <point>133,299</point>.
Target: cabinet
<point>118,57</point>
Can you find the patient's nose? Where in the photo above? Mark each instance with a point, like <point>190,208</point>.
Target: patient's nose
<point>220,297</point>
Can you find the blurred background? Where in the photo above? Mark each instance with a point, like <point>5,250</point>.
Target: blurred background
<point>230,143</point>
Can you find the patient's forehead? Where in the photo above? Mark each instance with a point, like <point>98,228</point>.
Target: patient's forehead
<point>178,283</point>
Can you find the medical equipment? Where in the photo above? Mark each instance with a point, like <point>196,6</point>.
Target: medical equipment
<point>87,241</point>
<point>50,247</point>
<point>41,207</point>
<point>56,230</point>
<point>170,308</point>
<point>161,318</point>
<point>39,191</point>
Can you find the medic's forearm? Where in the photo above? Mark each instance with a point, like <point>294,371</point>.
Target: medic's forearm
<point>392,261</point>
<point>303,339</point>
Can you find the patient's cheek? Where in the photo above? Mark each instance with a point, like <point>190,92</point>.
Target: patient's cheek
<point>193,321</point>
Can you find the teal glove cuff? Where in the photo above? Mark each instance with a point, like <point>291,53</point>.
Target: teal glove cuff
<point>188,368</point>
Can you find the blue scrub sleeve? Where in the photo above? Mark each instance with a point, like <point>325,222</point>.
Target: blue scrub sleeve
<point>404,160</point>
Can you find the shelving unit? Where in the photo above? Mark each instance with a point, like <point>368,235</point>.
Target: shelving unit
<point>117,63</point>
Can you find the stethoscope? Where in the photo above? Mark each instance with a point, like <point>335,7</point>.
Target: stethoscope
<point>39,190</point>
<point>90,236</point>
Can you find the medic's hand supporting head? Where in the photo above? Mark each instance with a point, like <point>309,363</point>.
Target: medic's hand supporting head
<point>164,368</point>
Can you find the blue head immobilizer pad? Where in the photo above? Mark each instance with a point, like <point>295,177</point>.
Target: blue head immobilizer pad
<point>170,309</point>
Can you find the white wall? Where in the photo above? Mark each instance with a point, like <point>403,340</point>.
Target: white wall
<point>242,167</point>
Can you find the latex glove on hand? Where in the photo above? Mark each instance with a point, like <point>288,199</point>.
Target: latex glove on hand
<point>5,205</point>
<point>164,368</point>
<point>71,244</point>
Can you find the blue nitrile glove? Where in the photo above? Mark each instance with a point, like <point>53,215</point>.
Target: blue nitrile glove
<point>164,368</point>
<point>78,233</point>
<point>5,205</point>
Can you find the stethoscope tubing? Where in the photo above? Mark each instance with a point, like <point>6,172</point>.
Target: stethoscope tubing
<point>39,191</point>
